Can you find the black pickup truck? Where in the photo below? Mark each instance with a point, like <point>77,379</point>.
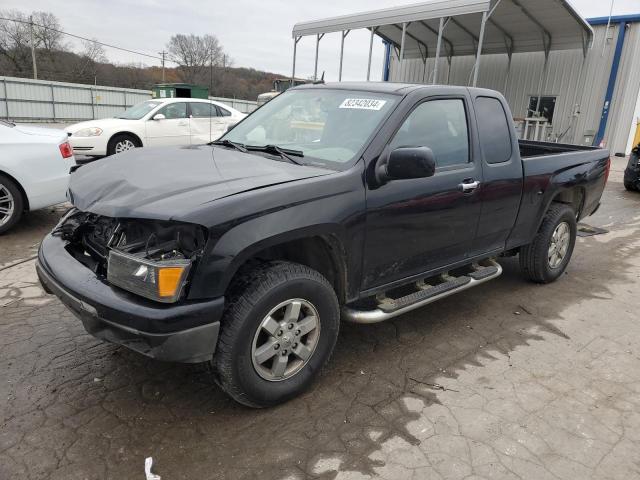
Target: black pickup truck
<point>358,201</point>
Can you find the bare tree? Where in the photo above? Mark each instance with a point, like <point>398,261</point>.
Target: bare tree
<point>46,32</point>
<point>194,54</point>
<point>14,40</point>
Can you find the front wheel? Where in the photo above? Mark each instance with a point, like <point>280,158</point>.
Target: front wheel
<point>548,255</point>
<point>278,331</point>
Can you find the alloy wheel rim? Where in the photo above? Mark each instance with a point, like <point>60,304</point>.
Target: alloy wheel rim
<point>124,145</point>
<point>559,245</point>
<point>7,205</point>
<point>285,340</point>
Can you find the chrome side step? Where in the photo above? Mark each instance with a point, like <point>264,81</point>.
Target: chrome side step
<point>425,294</point>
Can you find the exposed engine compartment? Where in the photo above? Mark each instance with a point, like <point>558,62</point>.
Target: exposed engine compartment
<point>90,237</point>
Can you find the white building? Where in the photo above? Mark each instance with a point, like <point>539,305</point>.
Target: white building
<point>576,80</point>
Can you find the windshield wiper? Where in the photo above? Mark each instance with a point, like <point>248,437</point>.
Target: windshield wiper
<point>285,153</point>
<point>229,143</point>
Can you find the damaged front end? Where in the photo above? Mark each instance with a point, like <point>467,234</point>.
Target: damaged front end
<point>150,258</point>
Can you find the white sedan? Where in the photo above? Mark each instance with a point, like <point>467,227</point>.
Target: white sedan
<point>175,121</point>
<point>34,170</point>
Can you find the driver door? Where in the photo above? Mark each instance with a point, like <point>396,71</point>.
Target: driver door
<point>418,225</point>
<point>173,129</point>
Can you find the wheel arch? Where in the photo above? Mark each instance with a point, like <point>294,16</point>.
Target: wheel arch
<point>25,197</point>
<point>321,251</point>
<point>126,132</point>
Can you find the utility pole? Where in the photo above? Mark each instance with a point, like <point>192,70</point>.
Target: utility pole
<point>33,48</point>
<point>163,53</point>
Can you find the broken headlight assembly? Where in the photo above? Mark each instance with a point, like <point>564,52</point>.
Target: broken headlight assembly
<point>161,280</point>
<point>150,258</point>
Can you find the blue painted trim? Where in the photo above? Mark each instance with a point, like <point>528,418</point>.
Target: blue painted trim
<point>631,18</point>
<point>622,30</point>
<point>387,61</point>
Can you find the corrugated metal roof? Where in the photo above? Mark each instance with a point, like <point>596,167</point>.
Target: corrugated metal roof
<point>514,25</point>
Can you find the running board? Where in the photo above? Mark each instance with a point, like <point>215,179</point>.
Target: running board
<point>425,294</point>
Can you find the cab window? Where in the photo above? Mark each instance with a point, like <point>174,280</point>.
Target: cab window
<point>174,110</point>
<point>440,125</point>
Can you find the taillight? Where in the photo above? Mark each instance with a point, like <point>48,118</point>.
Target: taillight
<point>607,170</point>
<point>66,150</point>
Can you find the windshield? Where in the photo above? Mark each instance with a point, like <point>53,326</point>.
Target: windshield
<point>328,126</point>
<point>139,110</point>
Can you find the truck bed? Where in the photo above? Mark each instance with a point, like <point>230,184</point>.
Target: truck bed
<point>529,148</point>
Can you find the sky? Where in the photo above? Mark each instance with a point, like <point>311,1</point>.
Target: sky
<point>254,33</point>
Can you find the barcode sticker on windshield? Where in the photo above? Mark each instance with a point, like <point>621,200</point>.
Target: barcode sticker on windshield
<point>363,103</point>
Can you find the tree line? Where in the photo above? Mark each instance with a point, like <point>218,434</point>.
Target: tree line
<point>200,59</point>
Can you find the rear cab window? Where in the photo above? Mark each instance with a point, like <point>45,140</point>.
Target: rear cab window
<point>493,130</point>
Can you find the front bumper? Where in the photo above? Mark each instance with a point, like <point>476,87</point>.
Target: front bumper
<point>182,332</point>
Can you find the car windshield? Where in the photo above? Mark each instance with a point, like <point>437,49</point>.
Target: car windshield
<point>139,110</point>
<point>328,126</point>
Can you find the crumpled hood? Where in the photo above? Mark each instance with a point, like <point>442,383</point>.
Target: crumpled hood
<point>167,183</point>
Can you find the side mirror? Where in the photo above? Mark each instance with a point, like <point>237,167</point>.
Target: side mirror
<point>159,116</point>
<point>408,162</point>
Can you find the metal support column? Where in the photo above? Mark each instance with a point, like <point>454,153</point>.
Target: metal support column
<point>373,31</point>
<point>343,35</point>
<point>53,102</point>
<point>315,68</point>
<point>435,65</point>
<point>476,67</point>
<point>293,70</point>
<point>404,34</point>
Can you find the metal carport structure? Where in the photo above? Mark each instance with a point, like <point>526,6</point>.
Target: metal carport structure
<point>447,28</point>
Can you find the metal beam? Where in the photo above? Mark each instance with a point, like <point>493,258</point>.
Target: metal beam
<point>546,36</point>
<point>481,39</point>
<point>315,68</point>
<point>435,32</point>
<point>343,35</point>
<point>373,31</point>
<point>435,65</point>
<point>412,37</point>
<point>465,29</point>
<point>508,38</point>
<point>404,33</point>
<point>293,70</point>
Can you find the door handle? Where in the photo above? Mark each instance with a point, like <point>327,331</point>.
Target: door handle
<point>469,186</point>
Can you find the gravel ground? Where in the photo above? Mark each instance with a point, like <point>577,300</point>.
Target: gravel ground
<point>509,380</point>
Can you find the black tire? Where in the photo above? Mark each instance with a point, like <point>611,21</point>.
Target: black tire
<point>112,146</point>
<point>629,186</point>
<point>254,294</point>
<point>18,203</point>
<point>534,258</point>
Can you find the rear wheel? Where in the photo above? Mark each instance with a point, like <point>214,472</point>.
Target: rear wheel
<point>11,203</point>
<point>121,143</point>
<point>548,255</point>
<point>278,331</point>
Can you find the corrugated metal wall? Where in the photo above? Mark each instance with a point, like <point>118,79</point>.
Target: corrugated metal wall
<point>579,87</point>
<point>25,99</point>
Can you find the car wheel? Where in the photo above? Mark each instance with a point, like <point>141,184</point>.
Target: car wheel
<point>629,186</point>
<point>278,331</point>
<point>548,255</point>
<point>121,143</point>
<point>11,203</point>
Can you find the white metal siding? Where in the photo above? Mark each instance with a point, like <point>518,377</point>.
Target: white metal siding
<point>577,90</point>
<point>42,100</point>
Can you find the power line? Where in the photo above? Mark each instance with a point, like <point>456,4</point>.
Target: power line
<point>85,38</point>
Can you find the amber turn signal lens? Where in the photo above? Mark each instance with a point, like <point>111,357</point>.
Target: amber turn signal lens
<point>169,280</point>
